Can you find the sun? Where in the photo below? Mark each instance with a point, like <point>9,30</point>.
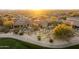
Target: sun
<point>37,12</point>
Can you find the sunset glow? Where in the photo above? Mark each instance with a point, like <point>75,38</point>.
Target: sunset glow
<point>37,12</point>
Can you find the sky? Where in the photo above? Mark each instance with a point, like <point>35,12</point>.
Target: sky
<point>39,4</point>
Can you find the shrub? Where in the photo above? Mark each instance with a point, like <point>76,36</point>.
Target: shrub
<point>63,31</point>
<point>5,30</point>
<point>64,17</point>
<point>8,24</point>
<point>55,23</point>
<point>21,33</point>
<point>16,31</point>
<point>39,38</point>
<point>51,41</point>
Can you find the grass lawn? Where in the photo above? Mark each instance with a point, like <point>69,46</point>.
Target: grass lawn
<point>10,43</point>
<point>73,47</point>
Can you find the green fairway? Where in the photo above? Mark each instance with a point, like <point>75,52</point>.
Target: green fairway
<point>10,43</point>
<point>73,47</point>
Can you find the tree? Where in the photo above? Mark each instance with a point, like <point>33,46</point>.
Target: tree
<point>51,40</point>
<point>64,17</point>
<point>16,31</point>
<point>1,22</point>
<point>39,38</point>
<point>53,18</point>
<point>54,21</point>
<point>35,27</point>
<point>8,23</point>
<point>63,32</point>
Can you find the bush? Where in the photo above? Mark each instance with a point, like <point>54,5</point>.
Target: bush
<point>5,30</point>
<point>8,24</point>
<point>21,33</point>
<point>16,31</point>
<point>64,17</point>
<point>39,38</point>
<point>55,23</point>
<point>51,41</point>
<point>63,31</point>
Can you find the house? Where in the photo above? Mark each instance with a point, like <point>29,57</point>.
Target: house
<point>41,21</point>
<point>73,21</point>
<point>21,21</point>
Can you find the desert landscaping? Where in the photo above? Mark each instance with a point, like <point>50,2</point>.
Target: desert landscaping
<point>45,28</point>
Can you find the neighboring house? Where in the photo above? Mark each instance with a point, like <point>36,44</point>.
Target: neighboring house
<point>21,21</point>
<point>73,21</point>
<point>42,21</point>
